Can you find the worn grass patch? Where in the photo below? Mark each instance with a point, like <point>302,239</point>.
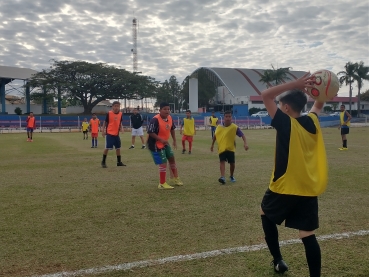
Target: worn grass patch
<point>60,211</point>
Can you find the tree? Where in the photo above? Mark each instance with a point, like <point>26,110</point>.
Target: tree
<point>334,106</point>
<point>347,77</point>
<point>327,109</point>
<point>206,89</point>
<point>278,76</point>
<point>365,96</point>
<point>18,111</point>
<point>361,74</point>
<point>90,84</point>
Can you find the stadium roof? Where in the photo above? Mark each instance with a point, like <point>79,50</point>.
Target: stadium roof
<point>242,81</point>
<point>9,72</point>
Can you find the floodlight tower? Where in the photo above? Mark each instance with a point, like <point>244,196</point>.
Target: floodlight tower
<point>134,49</point>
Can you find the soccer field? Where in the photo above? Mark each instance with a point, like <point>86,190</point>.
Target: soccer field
<point>61,212</point>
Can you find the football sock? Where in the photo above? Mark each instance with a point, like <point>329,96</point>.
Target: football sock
<point>162,173</point>
<point>345,143</point>
<point>190,145</point>
<point>271,237</point>
<point>104,158</point>
<point>93,142</point>
<point>119,159</point>
<point>173,168</point>
<point>313,255</point>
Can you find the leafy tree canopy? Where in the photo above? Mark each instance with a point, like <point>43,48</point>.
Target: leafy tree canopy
<point>90,83</point>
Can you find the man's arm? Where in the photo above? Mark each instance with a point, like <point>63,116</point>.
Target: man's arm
<point>317,107</point>
<point>240,134</point>
<point>271,93</point>
<point>348,117</point>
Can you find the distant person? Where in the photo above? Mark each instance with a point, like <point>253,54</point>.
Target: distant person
<point>31,125</point>
<point>160,129</point>
<point>85,126</point>
<point>213,120</point>
<point>300,171</point>
<point>345,118</point>
<point>94,129</point>
<point>137,131</point>
<point>110,130</point>
<point>225,136</point>
<point>189,130</point>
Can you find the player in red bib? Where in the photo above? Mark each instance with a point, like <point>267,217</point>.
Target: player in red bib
<point>31,125</point>
<point>94,129</point>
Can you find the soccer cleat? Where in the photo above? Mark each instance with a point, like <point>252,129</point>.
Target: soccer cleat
<point>165,186</point>
<point>222,180</point>
<point>103,165</point>
<point>232,179</point>
<point>121,164</point>
<point>28,140</point>
<point>178,182</point>
<point>343,148</point>
<point>31,140</point>
<point>92,146</point>
<point>280,267</point>
<point>183,151</point>
<point>189,152</point>
<point>143,147</point>
<point>132,146</point>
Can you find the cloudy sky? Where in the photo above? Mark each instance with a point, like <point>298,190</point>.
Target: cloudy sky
<point>175,37</point>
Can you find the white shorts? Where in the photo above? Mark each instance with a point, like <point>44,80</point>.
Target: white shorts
<point>137,132</point>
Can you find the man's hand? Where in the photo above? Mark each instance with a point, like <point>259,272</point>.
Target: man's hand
<point>246,147</point>
<point>180,132</point>
<point>212,148</point>
<point>103,134</point>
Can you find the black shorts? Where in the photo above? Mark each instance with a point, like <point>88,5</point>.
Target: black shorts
<point>227,156</point>
<point>85,132</point>
<point>345,131</point>
<point>298,212</point>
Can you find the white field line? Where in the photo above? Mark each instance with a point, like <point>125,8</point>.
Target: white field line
<point>196,256</point>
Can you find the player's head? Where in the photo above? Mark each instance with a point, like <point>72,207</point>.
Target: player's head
<point>116,107</point>
<point>31,114</point>
<point>85,119</point>
<point>94,116</point>
<point>292,101</point>
<point>212,113</point>
<point>227,117</point>
<point>135,111</point>
<point>342,108</point>
<point>188,113</point>
<point>164,110</point>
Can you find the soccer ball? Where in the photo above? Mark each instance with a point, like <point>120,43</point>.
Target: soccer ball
<point>326,86</point>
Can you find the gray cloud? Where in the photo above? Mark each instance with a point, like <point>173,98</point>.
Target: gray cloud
<point>175,37</point>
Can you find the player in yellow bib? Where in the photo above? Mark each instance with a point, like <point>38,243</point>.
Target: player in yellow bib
<point>225,136</point>
<point>345,118</point>
<point>213,120</point>
<point>189,131</point>
<point>85,126</point>
<point>300,171</point>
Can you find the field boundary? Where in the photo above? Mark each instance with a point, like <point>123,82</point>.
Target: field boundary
<point>195,256</point>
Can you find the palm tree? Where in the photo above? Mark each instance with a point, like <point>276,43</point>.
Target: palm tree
<point>267,77</point>
<point>347,77</point>
<point>274,75</point>
<point>361,74</point>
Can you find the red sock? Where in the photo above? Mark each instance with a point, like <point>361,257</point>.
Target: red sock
<point>162,173</point>
<point>190,145</point>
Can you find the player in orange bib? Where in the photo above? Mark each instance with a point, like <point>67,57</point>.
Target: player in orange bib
<point>31,125</point>
<point>110,131</point>
<point>94,129</point>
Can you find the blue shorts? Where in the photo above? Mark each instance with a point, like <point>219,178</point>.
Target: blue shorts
<point>30,130</point>
<point>112,141</point>
<point>161,156</point>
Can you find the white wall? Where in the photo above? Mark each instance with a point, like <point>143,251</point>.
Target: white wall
<point>224,96</point>
<point>80,109</point>
<point>36,109</point>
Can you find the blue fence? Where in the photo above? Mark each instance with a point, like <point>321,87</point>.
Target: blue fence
<point>54,122</point>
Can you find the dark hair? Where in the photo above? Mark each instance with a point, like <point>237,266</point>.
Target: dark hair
<point>93,114</point>
<point>295,98</point>
<point>188,111</point>
<point>343,106</point>
<point>116,102</point>
<point>164,104</point>
<point>30,112</point>
<point>227,112</point>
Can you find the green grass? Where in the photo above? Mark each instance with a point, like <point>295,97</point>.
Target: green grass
<point>60,211</point>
